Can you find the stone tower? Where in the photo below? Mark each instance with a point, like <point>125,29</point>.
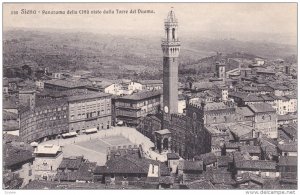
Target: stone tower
<point>171,48</point>
<point>220,68</point>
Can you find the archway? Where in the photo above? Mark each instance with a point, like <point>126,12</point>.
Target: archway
<point>165,144</point>
<point>158,145</point>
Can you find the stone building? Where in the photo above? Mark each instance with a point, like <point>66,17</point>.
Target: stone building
<point>265,119</point>
<point>91,110</point>
<point>131,108</point>
<point>47,160</point>
<point>47,120</point>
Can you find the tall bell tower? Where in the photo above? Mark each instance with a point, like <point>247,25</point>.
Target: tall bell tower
<point>171,48</point>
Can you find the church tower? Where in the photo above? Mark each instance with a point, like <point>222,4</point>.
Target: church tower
<point>171,48</point>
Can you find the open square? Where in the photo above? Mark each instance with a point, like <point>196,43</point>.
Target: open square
<point>95,150</point>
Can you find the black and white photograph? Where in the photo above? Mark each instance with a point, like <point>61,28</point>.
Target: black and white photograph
<point>150,96</point>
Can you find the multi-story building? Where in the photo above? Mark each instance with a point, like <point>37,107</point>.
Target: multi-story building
<point>265,119</point>
<point>47,161</point>
<point>151,85</point>
<point>128,166</point>
<point>91,110</point>
<point>47,120</point>
<point>26,97</point>
<point>131,108</point>
<point>135,86</point>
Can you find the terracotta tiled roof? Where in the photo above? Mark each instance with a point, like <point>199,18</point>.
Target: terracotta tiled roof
<point>71,162</point>
<point>287,161</point>
<point>250,149</point>
<point>256,165</point>
<point>141,95</point>
<point>13,156</point>
<point>246,177</point>
<point>190,165</point>
<point>172,156</point>
<point>207,158</point>
<point>290,147</point>
<point>201,184</point>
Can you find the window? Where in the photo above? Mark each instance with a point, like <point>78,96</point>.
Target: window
<point>125,176</point>
<point>30,172</point>
<point>112,176</point>
<point>263,117</point>
<point>214,119</point>
<point>139,176</point>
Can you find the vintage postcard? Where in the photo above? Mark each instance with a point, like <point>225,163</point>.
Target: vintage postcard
<point>150,96</point>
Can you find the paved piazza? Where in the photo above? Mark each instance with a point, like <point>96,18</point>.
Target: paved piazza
<point>95,149</point>
<point>94,146</point>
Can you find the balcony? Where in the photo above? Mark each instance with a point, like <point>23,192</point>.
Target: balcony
<point>174,42</point>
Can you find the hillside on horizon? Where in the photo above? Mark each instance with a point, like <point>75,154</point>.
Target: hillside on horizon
<point>104,53</point>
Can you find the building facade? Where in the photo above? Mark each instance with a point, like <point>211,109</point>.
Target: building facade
<point>47,161</point>
<point>131,108</point>
<point>89,111</point>
<point>47,120</point>
<point>265,119</point>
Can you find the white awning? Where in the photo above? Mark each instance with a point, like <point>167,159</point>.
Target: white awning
<point>65,134</point>
<point>34,144</point>
<point>72,133</point>
<point>120,123</point>
<point>92,130</point>
<point>69,134</point>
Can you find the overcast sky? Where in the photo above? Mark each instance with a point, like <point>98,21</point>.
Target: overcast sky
<point>194,18</point>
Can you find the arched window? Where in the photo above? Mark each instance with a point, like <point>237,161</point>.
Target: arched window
<point>225,118</point>
<point>214,119</point>
<point>173,33</point>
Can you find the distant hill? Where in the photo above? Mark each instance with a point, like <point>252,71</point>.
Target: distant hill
<point>105,53</point>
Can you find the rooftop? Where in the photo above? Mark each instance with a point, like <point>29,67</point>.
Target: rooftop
<point>150,82</point>
<point>200,184</point>
<point>163,132</point>
<point>142,95</point>
<point>71,162</point>
<point>290,147</point>
<point>47,149</point>
<point>246,177</point>
<point>261,108</point>
<point>9,115</point>
<point>87,96</point>
<point>287,161</point>
<point>256,165</point>
<point>215,106</point>
<point>250,149</point>
<point>244,111</point>
<point>207,158</point>
<point>14,156</point>
<point>190,165</point>
<point>66,83</point>
<point>173,156</point>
